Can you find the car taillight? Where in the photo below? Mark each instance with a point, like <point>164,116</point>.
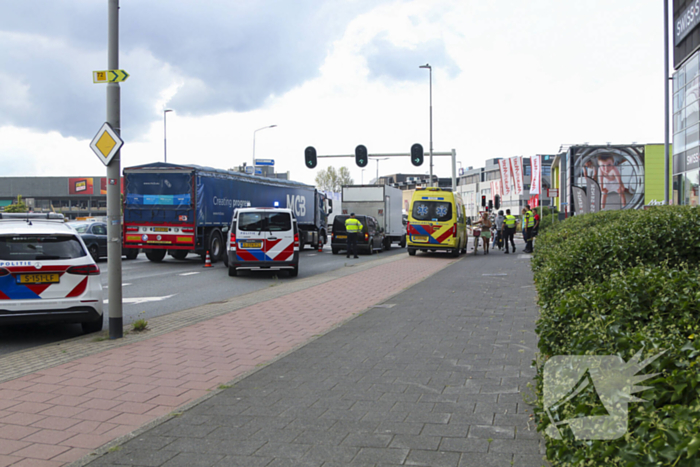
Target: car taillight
<point>86,270</point>
<point>296,240</point>
<point>233,238</point>
<point>366,236</point>
<point>4,272</point>
<point>454,230</point>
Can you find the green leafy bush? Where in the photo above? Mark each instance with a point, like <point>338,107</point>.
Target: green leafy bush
<point>616,283</point>
<point>595,245</point>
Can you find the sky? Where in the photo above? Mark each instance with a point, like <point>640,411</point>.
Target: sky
<point>509,77</point>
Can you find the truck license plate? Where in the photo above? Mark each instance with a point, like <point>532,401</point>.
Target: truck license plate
<point>251,244</point>
<point>161,229</point>
<point>37,279</point>
<point>342,237</point>
<point>420,238</point>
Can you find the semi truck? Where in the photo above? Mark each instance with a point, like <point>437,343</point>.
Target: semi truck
<point>180,209</point>
<point>384,203</point>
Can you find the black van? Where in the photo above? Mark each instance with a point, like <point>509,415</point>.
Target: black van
<point>369,241</point>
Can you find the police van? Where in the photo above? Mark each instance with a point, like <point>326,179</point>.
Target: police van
<point>436,222</point>
<point>263,239</point>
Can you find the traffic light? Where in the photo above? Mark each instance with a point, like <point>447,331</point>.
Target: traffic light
<point>361,156</point>
<point>310,156</point>
<point>483,201</point>
<point>490,204</point>
<point>497,201</point>
<point>417,155</point>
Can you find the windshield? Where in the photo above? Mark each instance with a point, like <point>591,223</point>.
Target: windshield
<point>38,247</point>
<point>264,221</point>
<point>158,189</point>
<point>80,228</point>
<point>435,211</point>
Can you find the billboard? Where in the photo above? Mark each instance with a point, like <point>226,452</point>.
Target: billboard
<point>80,186</point>
<point>607,178</point>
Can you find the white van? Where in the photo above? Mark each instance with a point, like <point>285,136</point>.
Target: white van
<point>263,239</point>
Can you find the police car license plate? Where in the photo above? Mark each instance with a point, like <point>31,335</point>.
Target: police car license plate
<point>37,279</point>
<point>251,244</point>
<point>342,237</point>
<point>420,238</point>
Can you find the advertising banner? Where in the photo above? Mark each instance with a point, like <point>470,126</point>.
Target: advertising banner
<point>516,165</point>
<point>581,204</point>
<point>504,164</point>
<point>534,201</point>
<point>535,175</point>
<point>80,186</point>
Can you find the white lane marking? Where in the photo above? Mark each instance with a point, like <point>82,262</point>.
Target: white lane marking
<point>188,273</point>
<point>499,274</point>
<point>138,300</point>
<point>524,256</point>
<point>312,254</point>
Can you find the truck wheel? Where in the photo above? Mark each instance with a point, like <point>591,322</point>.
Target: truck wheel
<point>131,253</point>
<point>216,246</point>
<point>294,272</point>
<point>335,251</point>
<point>179,254</point>
<point>232,271</point>
<point>412,252</point>
<point>387,243</point>
<point>155,256</point>
<point>402,244</point>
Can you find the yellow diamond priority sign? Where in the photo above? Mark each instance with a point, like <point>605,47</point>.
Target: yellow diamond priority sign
<point>106,143</point>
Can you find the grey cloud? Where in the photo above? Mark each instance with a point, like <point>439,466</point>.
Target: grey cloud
<point>228,55</point>
<point>388,61</point>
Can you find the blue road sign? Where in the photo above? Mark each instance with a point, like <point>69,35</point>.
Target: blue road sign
<point>264,162</point>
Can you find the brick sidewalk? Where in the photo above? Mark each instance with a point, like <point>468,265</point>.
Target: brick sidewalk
<point>433,377</point>
<point>58,415</point>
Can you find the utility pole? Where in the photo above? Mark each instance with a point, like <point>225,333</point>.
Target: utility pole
<point>114,216</point>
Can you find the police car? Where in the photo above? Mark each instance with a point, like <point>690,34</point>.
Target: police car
<point>46,273</point>
<point>263,239</point>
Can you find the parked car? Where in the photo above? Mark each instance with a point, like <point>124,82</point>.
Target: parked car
<point>94,234</point>
<point>46,273</point>
<point>263,239</point>
<point>370,240</point>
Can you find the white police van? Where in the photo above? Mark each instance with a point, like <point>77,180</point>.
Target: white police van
<point>263,239</point>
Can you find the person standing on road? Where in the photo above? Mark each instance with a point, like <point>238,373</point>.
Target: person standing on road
<point>509,224</point>
<point>352,227</point>
<point>528,224</point>
<point>498,237</point>
<point>485,223</point>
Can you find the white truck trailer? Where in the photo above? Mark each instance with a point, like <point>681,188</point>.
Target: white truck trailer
<point>382,202</point>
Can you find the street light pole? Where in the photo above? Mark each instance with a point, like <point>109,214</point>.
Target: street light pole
<point>165,136</point>
<point>379,159</point>
<point>263,128</point>
<point>430,69</point>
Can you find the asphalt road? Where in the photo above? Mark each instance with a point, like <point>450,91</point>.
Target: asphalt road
<point>154,289</point>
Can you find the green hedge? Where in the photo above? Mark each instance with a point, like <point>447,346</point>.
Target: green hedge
<point>595,245</point>
<point>633,295</point>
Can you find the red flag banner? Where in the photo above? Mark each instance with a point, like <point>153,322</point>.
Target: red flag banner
<point>516,165</point>
<point>535,175</point>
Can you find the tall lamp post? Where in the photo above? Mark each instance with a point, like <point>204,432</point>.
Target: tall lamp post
<point>263,128</point>
<point>165,135</point>
<point>430,69</point>
<point>379,159</point>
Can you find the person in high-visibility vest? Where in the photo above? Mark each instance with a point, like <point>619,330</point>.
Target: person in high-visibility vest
<point>509,224</point>
<point>353,227</point>
<point>529,225</point>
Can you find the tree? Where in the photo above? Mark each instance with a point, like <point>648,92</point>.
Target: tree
<point>332,180</point>
<point>19,206</point>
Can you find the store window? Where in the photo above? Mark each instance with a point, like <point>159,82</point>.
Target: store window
<point>690,184</point>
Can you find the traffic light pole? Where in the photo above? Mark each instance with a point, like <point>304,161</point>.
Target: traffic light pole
<point>114,227</point>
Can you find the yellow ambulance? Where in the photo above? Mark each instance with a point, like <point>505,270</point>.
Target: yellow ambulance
<point>436,222</point>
